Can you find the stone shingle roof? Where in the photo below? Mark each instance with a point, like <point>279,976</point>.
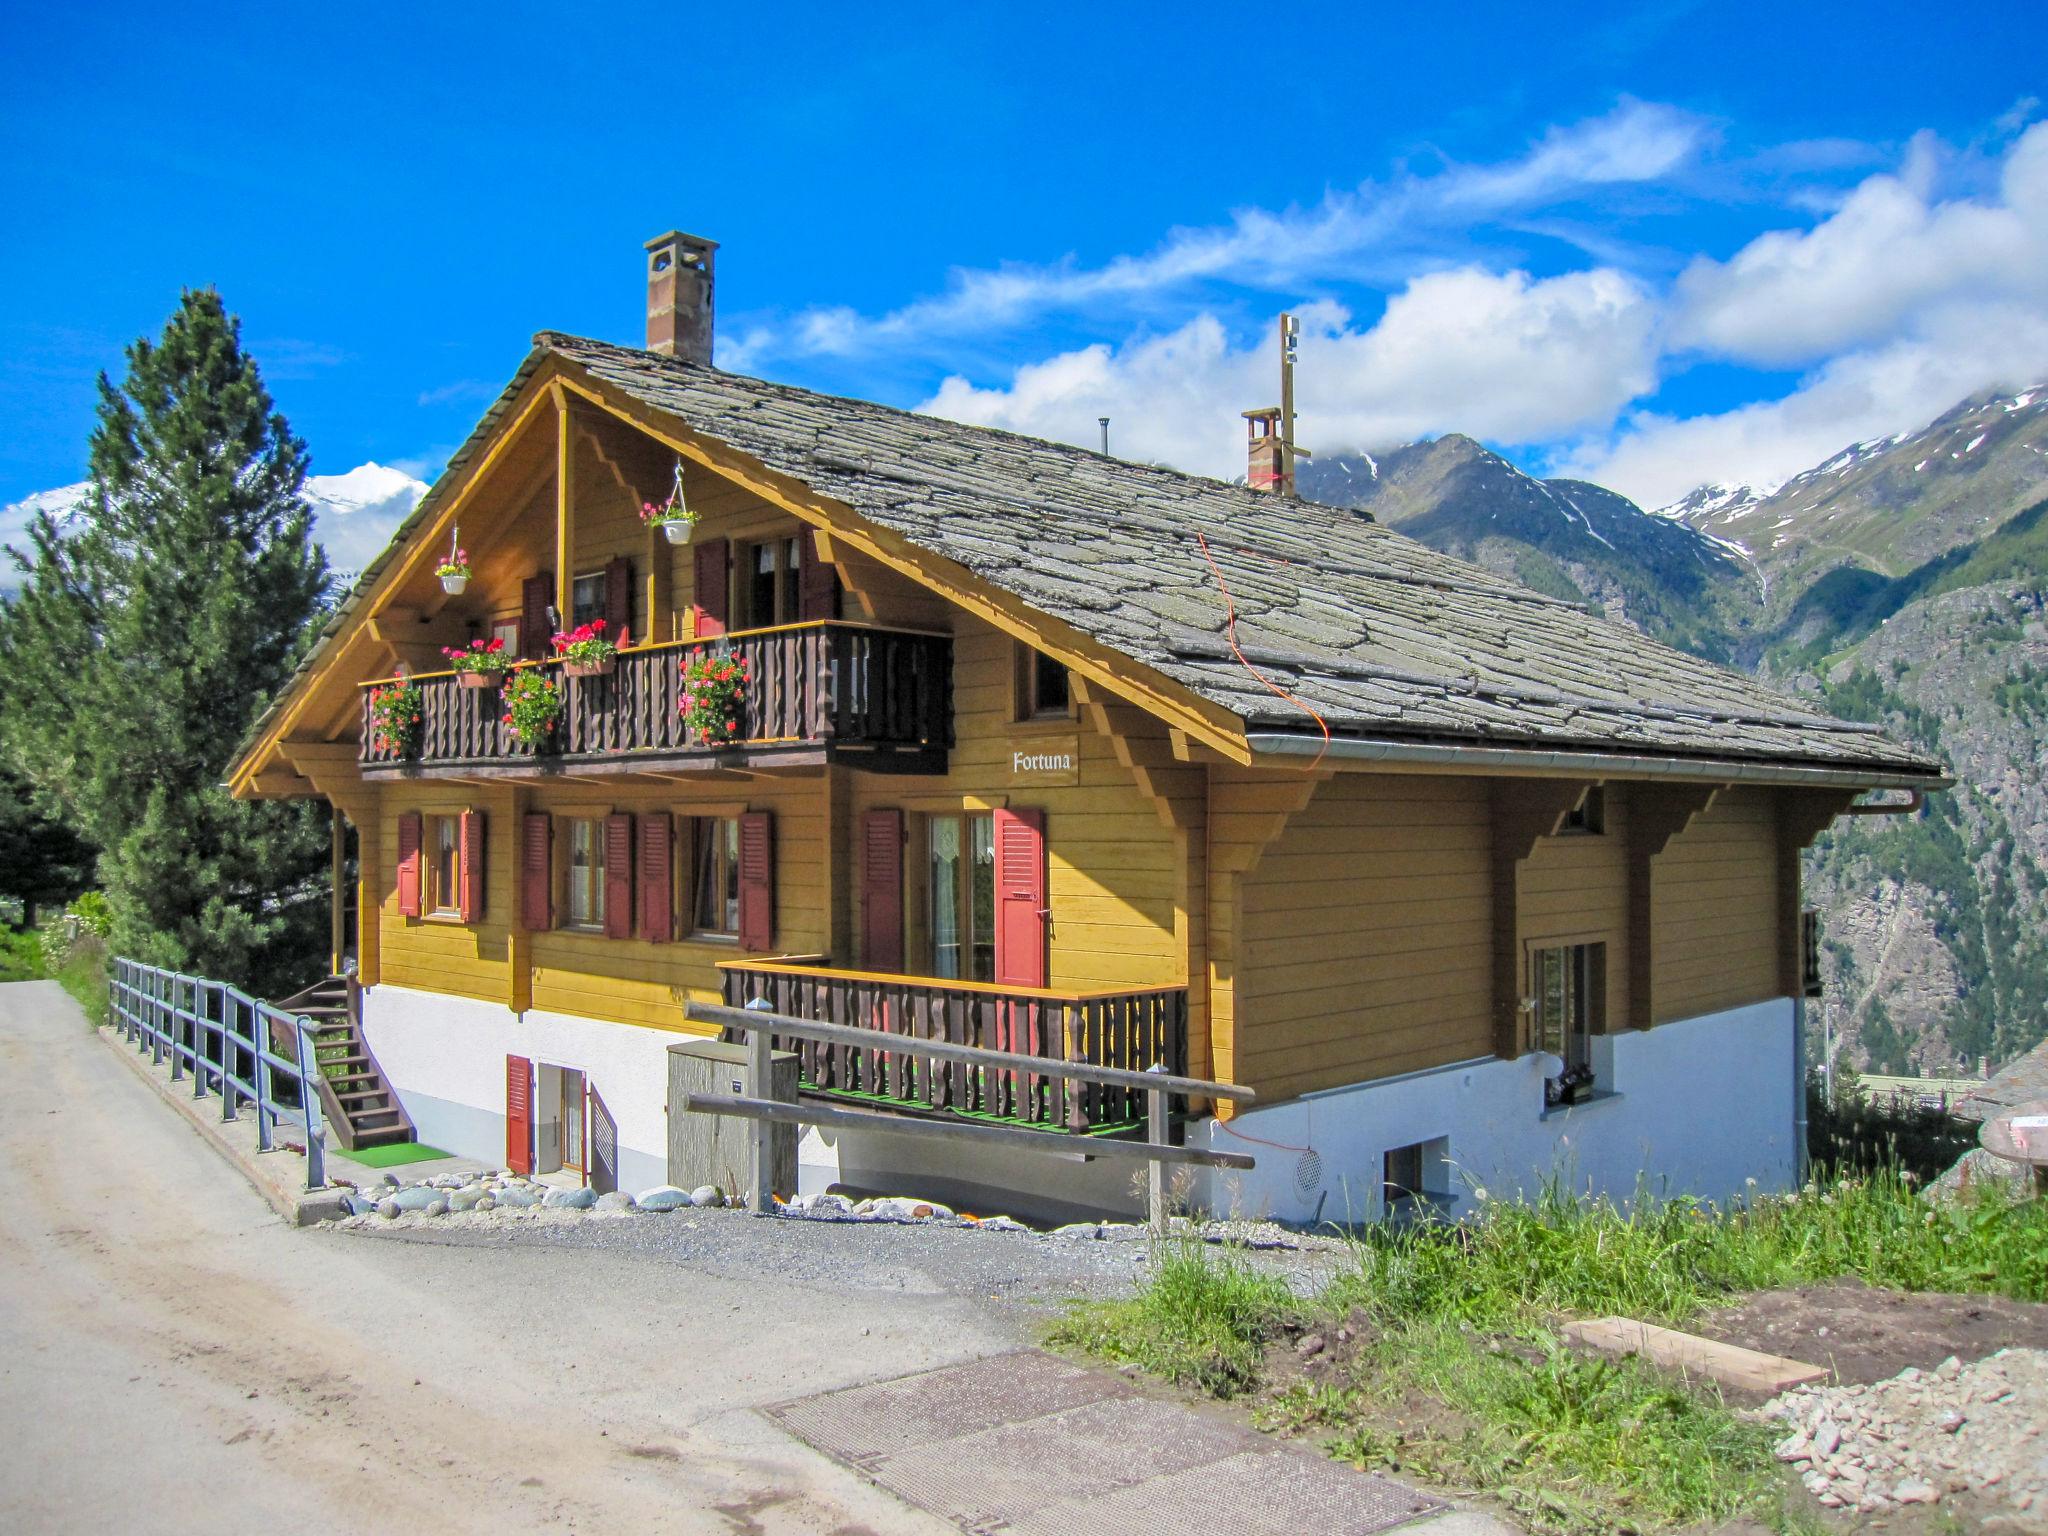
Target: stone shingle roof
<point>1382,636</point>
<point>1379,634</point>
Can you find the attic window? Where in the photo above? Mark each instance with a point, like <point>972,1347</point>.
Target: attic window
<point>1044,691</point>
<point>1589,817</point>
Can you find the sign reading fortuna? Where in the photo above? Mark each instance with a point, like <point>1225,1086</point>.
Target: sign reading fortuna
<point>1046,762</point>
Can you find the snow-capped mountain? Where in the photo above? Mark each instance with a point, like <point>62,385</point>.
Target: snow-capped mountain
<point>353,514</point>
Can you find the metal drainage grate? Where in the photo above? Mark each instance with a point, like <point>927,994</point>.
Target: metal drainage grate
<point>1028,1445</point>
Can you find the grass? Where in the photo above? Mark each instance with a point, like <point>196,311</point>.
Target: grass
<point>21,955</point>
<point>395,1154</point>
<point>1464,1382</point>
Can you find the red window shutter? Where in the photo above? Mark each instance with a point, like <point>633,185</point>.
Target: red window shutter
<point>518,1114</point>
<point>536,874</point>
<point>712,598</point>
<point>657,867</point>
<point>536,597</point>
<point>409,864</point>
<point>470,844</point>
<point>1023,911</point>
<point>817,583</point>
<point>618,600</point>
<point>618,876</point>
<point>881,891</point>
<point>757,881</point>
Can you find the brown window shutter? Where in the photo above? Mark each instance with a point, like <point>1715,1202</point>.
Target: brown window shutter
<point>470,844</point>
<point>881,891</point>
<point>409,864</point>
<point>535,599</point>
<point>518,1114</point>
<point>1022,906</point>
<point>657,872</point>
<point>711,598</point>
<point>757,881</point>
<point>817,583</point>
<point>618,876</point>
<point>618,600</point>
<point>536,874</point>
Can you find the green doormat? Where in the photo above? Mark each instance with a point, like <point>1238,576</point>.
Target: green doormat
<point>394,1153</point>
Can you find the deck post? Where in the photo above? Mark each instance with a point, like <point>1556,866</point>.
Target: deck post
<point>761,1152</point>
<point>1157,1132</point>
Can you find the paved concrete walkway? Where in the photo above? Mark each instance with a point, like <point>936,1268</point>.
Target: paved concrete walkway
<point>173,1357</point>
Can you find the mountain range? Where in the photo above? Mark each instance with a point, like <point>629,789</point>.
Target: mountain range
<point>1903,581</point>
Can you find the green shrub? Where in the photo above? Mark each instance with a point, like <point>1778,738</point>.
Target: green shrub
<point>1858,1135</point>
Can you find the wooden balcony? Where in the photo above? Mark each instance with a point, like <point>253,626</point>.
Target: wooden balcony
<point>816,693</point>
<point>1130,1029</point>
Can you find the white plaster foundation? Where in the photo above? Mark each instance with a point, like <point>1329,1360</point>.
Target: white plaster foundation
<point>1695,1107</point>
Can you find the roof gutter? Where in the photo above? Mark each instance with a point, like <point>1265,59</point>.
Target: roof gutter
<point>1583,764</point>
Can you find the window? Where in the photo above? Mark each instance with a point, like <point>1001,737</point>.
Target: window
<point>1043,692</point>
<point>1569,981</point>
<point>444,866</point>
<point>1415,1179</point>
<point>506,629</point>
<point>715,880</point>
<point>768,583</point>
<point>960,886</point>
<point>1589,817</point>
<point>585,904</point>
<point>586,599</point>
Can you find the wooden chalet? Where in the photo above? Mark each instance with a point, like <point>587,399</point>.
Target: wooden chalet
<point>1466,883</point>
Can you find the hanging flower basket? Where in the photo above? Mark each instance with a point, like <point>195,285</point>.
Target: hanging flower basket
<point>585,652</point>
<point>397,712</point>
<point>455,585</point>
<point>480,664</point>
<point>673,516</point>
<point>533,704</point>
<point>714,698</point>
<point>454,571</point>
<point>678,532</point>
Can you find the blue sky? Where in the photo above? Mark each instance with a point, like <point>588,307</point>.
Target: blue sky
<point>1656,244</point>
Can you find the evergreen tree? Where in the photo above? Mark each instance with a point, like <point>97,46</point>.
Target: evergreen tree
<point>154,626</point>
<point>42,861</point>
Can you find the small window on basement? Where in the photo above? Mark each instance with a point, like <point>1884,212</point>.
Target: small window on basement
<point>1570,982</point>
<point>1589,817</point>
<point>585,903</point>
<point>1415,1175</point>
<point>1044,691</point>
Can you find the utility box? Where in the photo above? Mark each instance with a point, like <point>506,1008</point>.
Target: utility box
<point>716,1149</point>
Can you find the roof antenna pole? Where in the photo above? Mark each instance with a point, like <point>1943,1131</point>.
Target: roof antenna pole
<point>1105,435</point>
<point>1290,339</point>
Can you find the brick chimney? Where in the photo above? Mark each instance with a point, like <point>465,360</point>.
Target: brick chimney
<point>679,304</point>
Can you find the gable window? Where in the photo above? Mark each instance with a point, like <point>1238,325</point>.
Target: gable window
<point>1588,817</point>
<point>584,899</point>
<point>715,877</point>
<point>768,583</point>
<point>960,891</point>
<point>505,629</point>
<point>1043,688</point>
<point>444,866</point>
<point>586,599</point>
<point>1569,982</point>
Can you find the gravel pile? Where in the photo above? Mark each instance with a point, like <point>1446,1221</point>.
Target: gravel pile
<point>1925,1436</point>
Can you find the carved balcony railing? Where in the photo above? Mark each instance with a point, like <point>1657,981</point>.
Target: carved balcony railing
<point>814,691</point>
<point>1133,1029</point>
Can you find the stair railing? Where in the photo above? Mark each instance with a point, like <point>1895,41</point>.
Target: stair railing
<point>227,1041</point>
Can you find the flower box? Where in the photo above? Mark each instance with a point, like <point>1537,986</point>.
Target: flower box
<point>589,668</point>
<point>479,679</point>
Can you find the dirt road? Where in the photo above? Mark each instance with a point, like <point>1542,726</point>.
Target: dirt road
<point>173,1358</point>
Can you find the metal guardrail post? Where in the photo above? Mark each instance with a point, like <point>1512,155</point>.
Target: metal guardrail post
<point>166,1016</point>
<point>266,1109</point>
<point>309,1101</point>
<point>192,1017</point>
<point>1157,1133</point>
<point>229,1057</point>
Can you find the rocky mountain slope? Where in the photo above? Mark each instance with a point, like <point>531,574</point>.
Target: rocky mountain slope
<point>1905,581</point>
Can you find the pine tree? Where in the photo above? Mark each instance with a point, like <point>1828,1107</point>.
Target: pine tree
<point>42,860</point>
<point>154,626</point>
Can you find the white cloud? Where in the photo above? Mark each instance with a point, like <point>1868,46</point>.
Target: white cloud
<point>1635,143</point>
<point>1502,356</point>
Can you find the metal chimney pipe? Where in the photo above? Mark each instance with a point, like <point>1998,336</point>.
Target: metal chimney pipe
<point>1105,435</point>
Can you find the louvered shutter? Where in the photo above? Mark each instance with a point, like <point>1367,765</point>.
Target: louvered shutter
<point>536,875</point>
<point>618,876</point>
<point>409,864</point>
<point>518,1114</point>
<point>817,583</point>
<point>618,600</point>
<point>657,866</point>
<point>470,845</point>
<point>535,598</point>
<point>757,881</point>
<point>711,598</point>
<point>1022,909</point>
<point>881,891</point>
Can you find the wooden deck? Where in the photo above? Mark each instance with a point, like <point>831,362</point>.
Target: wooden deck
<point>816,692</point>
<point>1133,1029</point>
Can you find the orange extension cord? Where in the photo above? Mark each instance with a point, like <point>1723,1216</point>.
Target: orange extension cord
<point>1230,634</point>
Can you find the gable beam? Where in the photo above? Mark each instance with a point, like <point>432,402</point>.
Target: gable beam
<point>1657,813</point>
<point>1523,813</point>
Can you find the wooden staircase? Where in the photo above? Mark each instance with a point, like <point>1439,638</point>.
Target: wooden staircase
<point>361,1106</point>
